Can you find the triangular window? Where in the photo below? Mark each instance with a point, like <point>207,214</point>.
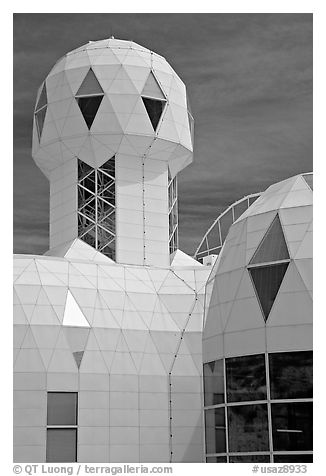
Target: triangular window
<point>267,281</point>
<point>152,88</point>
<point>78,356</point>
<point>40,111</point>
<point>73,316</point>
<point>42,100</point>
<point>273,246</point>
<point>153,99</point>
<point>40,118</point>
<point>154,108</point>
<point>309,179</point>
<point>89,97</point>
<point>90,85</point>
<point>89,107</point>
<point>190,121</point>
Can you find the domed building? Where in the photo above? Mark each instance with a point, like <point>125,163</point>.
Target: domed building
<point>108,323</point>
<point>257,340</point>
<point>111,340</point>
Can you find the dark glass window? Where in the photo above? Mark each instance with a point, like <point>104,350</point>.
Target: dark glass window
<point>246,378</point>
<point>216,459</point>
<point>295,458</point>
<point>309,179</point>
<point>62,408</point>
<point>248,428</point>
<point>292,426</point>
<point>214,382</point>
<point>90,85</point>
<point>43,99</point>
<point>154,108</point>
<point>89,107</point>
<point>78,356</point>
<point>40,118</point>
<point>249,459</point>
<point>267,281</point>
<point>215,430</point>
<point>290,374</point>
<point>273,246</point>
<point>61,445</point>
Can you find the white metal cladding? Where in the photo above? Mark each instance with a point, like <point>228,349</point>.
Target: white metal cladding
<point>127,339</point>
<point>118,75</point>
<point>107,99</point>
<point>234,321</point>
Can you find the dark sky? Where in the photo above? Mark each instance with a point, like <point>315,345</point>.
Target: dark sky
<point>249,79</point>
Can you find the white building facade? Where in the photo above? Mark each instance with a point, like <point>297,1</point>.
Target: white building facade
<point>108,324</point>
<point>114,325</point>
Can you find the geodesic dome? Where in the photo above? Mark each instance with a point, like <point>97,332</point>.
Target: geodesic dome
<point>260,291</point>
<point>109,97</point>
<point>257,342</point>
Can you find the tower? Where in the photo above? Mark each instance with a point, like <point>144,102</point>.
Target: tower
<point>112,128</point>
<point>108,323</point>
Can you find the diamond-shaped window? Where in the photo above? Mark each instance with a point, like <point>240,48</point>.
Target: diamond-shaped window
<point>40,111</point>
<point>89,97</point>
<point>153,99</point>
<point>268,266</point>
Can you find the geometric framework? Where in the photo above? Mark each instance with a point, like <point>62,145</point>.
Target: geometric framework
<point>89,97</point>
<point>173,213</point>
<point>153,99</point>
<point>96,206</point>
<point>268,266</point>
<point>40,111</point>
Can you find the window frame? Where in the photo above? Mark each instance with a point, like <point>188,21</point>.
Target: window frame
<point>63,427</point>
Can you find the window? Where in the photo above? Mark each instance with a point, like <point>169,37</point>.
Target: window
<point>61,439</point>
<point>292,426</point>
<point>89,97</point>
<point>249,459</point>
<point>96,206</point>
<point>173,213</point>
<point>215,430</point>
<point>153,99</point>
<point>290,374</point>
<point>273,246</point>
<point>246,378</point>
<point>267,281</point>
<point>40,111</point>
<point>248,428</point>
<point>309,179</point>
<point>295,458</point>
<point>216,459</point>
<point>191,121</point>
<point>268,266</point>
<point>261,413</point>
<point>214,382</point>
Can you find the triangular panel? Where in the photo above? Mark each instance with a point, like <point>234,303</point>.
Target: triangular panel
<point>152,88</point>
<point>273,246</point>
<point>89,107</point>
<point>90,85</point>
<point>267,281</point>
<point>40,118</point>
<point>73,315</point>
<point>154,108</point>
<point>309,179</point>
<point>43,100</point>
